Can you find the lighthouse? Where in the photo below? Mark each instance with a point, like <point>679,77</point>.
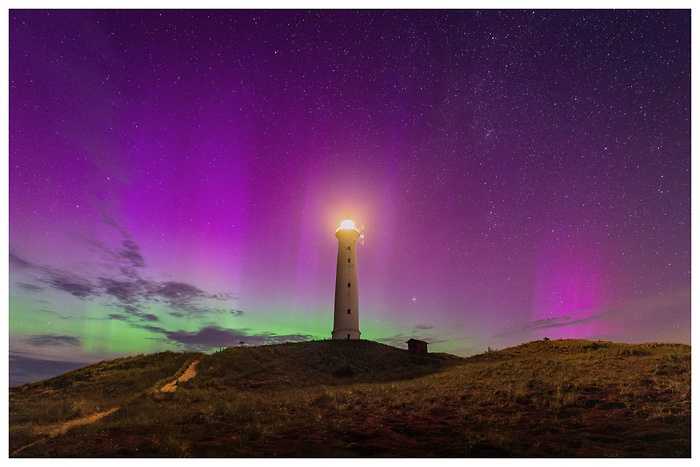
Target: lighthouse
<point>346,314</point>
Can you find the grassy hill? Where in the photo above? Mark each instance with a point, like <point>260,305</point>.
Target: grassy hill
<point>361,398</point>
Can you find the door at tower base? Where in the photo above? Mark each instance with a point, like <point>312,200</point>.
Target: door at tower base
<point>346,313</point>
<point>346,334</point>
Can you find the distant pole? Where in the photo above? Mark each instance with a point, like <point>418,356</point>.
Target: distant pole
<point>346,313</point>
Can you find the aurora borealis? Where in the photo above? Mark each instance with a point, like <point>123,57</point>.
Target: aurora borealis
<point>176,178</point>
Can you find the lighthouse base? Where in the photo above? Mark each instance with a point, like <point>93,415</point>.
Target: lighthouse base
<point>346,334</point>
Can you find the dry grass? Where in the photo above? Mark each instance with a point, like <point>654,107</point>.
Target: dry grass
<point>565,398</point>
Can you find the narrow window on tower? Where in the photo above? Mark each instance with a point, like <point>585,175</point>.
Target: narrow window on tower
<point>348,310</point>
<point>348,260</point>
<point>348,248</point>
<point>348,336</point>
<point>348,284</point>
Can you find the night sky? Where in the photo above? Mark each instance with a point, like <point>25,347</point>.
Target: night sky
<point>176,178</point>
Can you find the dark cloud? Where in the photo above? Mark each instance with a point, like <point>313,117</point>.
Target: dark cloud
<point>73,285</point>
<point>399,340</point>
<point>637,308</point>
<point>51,340</point>
<point>57,279</point>
<point>183,299</point>
<point>186,299</point>
<point>546,323</point>
<point>134,315</point>
<point>131,253</point>
<point>117,316</point>
<point>270,338</point>
<point>179,291</point>
<point>211,337</point>
<point>222,296</point>
<point>131,309</point>
<point>30,287</point>
<point>126,291</point>
<point>192,309</point>
<point>152,328</point>
<point>19,262</point>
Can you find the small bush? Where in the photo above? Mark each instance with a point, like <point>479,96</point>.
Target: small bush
<point>344,371</point>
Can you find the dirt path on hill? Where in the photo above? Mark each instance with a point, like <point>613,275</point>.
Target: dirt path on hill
<point>62,429</point>
<point>53,431</point>
<point>189,373</point>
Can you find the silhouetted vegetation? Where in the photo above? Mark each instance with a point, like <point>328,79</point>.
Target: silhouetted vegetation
<point>360,398</point>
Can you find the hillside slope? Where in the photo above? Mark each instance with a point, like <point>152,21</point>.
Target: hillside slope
<point>360,398</point>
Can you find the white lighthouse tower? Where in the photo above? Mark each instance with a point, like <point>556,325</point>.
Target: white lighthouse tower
<point>346,314</point>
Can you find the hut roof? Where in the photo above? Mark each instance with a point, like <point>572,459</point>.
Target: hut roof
<point>416,340</point>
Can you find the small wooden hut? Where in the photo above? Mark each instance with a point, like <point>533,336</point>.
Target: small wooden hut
<point>417,346</point>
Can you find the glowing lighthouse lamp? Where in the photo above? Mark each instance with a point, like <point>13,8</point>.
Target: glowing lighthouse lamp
<point>346,314</point>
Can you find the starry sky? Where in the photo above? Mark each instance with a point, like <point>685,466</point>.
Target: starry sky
<point>176,178</point>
